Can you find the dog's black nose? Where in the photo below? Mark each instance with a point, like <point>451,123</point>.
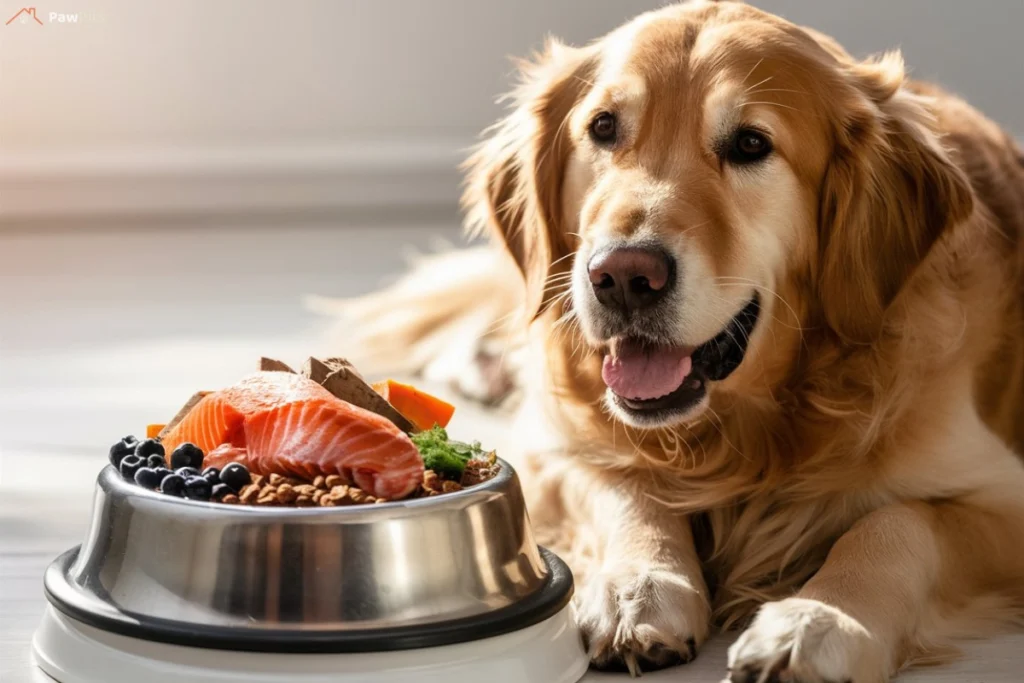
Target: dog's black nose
<point>631,278</point>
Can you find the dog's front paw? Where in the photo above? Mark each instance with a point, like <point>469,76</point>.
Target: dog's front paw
<point>641,620</point>
<point>806,641</point>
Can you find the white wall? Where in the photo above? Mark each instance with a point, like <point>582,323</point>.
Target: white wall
<point>206,104</point>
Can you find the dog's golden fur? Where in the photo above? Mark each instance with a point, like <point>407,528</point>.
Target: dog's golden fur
<point>857,472</point>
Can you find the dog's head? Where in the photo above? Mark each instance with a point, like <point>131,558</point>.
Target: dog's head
<point>703,179</point>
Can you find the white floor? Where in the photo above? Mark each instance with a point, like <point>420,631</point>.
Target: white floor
<point>101,333</point>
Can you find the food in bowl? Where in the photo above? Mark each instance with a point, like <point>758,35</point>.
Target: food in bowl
<point>320,438</point>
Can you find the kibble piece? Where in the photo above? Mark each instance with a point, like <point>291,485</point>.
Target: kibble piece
<point>230,499</point>
<point>258,479</point>
<point>286,493</point>
<point>319,482</point>
<point>269,499</point>
<point>450,486</point>
<point>326,502</point>
<point>304,501</point>
<point>318,494</point>
<point>250,493</point>
<point>305,490</point>
<point>334,480</point>
<point>276,480</point>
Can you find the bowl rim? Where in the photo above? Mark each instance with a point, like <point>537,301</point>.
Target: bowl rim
<point>109,479</point>
<point>89,608</point>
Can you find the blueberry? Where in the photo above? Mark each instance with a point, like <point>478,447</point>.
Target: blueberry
<point>122,448</point>
<point>173,485</point>
<point>148,478</point>
<point>197,488</point>
<point>186,472</point>
<point>187,455</point>
<point>156,461</point>
<point>130,464</point>
<point>236,476</point>
<point>163,472</point>
<point>212,475</point>
<point>149,447</point>
<point>220,490</point>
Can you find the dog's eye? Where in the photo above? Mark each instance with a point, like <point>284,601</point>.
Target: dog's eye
<point>747,146</point>
<point>604,128</point>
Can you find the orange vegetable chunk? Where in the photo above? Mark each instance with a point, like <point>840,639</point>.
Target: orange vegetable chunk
<point>419,407</point>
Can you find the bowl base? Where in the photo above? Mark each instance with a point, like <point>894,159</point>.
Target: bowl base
<point>72,652</point>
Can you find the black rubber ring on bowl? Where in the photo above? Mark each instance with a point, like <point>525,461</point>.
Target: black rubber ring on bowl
<point>542,604</point>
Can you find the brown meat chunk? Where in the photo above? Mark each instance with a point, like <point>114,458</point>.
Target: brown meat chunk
<point>341,379</point>
<point>272,365</point>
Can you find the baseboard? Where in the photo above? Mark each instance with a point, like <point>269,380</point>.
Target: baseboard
<point>363,177</point>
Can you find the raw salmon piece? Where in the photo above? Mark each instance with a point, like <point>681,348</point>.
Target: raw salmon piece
<point>290,425</point>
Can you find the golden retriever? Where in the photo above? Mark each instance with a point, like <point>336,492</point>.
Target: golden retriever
<point>771,348</point>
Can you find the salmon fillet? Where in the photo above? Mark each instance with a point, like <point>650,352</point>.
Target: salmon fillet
<point>292,426</point>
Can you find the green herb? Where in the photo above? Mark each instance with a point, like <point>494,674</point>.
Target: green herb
<point>446,457</point>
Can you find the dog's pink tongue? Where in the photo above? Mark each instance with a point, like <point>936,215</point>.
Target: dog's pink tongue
<point>643,374</point>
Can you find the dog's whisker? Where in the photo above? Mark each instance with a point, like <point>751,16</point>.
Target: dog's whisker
<point>567,256</point>
<point>789,90</point>
<point>767,104</point>
<point>752,70</point>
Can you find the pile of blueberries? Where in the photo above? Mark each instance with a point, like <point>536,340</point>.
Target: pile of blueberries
<point>144,462</point>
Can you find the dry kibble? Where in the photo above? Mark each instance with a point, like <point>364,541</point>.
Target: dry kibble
<point>359,496</point>
<point>250,493</point>
<point>338,490</point>
<point>286,493</point>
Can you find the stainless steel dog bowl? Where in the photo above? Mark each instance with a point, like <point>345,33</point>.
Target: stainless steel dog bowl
<point>424,573</point>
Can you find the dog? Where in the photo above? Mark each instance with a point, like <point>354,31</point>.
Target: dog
<point>763,307</point>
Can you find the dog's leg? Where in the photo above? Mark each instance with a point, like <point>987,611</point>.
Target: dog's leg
<point>900,578</point>
<point>641,600</point>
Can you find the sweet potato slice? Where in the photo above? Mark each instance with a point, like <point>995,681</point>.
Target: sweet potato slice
<point>422,409</point>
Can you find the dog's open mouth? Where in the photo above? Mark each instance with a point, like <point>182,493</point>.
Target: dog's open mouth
<point>649,380</point>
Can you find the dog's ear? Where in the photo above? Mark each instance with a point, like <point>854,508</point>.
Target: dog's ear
<point>515,177</point>
<point>889,193</point>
